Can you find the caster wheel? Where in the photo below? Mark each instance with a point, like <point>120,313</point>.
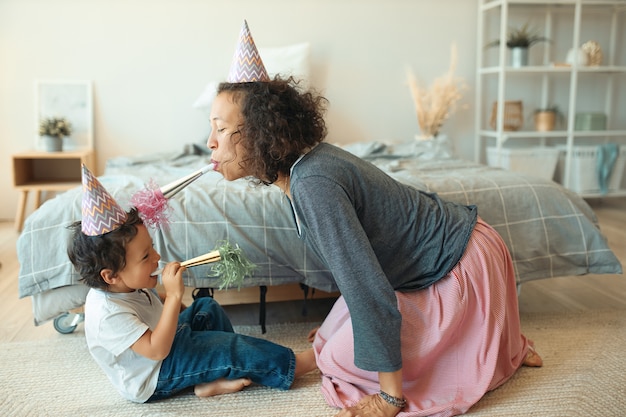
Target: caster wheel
<point>66,323</point>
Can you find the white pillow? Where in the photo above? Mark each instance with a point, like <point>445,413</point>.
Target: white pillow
<point>206,98</point>
<point>288,60</point>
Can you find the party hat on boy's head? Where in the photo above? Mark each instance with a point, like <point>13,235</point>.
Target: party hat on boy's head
<point>247,65</point>
<point>100,212</point>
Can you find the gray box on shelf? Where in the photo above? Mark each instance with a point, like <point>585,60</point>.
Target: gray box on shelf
<point>590,121</point>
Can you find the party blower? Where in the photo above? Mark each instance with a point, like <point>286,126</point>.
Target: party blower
<point>152,202</point>
<point>229,263</point>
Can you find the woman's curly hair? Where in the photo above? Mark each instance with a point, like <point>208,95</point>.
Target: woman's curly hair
<point>91,254</point>
<point>281,122</point>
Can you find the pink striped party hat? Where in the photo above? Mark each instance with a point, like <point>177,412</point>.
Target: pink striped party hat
<point>247,65</point>
<point>100,212</point>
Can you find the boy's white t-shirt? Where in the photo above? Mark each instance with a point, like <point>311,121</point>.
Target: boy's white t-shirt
<point>113,323</point>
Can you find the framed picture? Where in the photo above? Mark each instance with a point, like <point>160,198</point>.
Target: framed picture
<point>71,100</point>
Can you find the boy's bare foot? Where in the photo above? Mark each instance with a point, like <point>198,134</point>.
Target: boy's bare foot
<point>221,386</point>
<point>305,362</point>
<point>311,336</point>
<point>532,357</point>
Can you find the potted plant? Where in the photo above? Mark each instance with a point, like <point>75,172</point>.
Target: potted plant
<point>518,41</point>
<point>546,118</point>
<point>53,130</point>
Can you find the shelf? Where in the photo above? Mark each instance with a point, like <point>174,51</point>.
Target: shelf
<point>613,69</point>
<point>526,70</point>
<point>539,69</point>
<point>598,133</point>
<point>39,172</point>
<point>524,134</point>
<point>619,193</point>
<point>48,186</point>
<point>573,89</point>
<point>497,3</point>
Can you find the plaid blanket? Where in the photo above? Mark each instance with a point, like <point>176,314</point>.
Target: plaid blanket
<point>549,230</point>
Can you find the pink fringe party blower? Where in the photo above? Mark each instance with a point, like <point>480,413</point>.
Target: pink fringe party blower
<point>152,202</point>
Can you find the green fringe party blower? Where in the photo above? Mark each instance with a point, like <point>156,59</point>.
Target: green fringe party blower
<point>232,267</point>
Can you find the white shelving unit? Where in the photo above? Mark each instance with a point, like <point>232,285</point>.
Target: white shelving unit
<point>548,80</point>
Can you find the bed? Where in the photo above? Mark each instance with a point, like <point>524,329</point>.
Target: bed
<point>549,230</point>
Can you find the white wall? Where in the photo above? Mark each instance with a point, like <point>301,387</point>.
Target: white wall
<point>150,59</point>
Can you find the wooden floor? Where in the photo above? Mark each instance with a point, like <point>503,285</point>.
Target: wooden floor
<point>549,295</point>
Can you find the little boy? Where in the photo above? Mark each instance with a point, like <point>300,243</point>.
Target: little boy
<point>148,348</point>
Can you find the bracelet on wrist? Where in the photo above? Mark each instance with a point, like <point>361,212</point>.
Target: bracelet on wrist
<point>390,399</point>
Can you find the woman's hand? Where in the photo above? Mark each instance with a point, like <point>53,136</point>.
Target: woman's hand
<point>370,406</point>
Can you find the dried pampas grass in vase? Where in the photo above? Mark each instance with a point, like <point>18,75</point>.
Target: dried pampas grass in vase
<point>435,104</point>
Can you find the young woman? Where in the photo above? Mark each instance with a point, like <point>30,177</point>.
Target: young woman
<point>428,318</point>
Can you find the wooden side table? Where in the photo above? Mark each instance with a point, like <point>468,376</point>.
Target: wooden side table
<point>47,171</point>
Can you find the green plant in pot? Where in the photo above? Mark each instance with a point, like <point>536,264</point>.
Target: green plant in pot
<point>519,41</point>
<point>546,118</point>
<point>53,130</point>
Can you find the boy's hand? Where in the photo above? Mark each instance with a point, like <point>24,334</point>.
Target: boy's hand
<point>172,280</point>
<point>156,344</point>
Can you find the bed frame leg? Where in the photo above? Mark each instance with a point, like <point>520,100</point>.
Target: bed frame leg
<point>305,289</point>
<point>263,294</point>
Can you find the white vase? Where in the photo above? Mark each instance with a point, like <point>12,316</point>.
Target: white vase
<point>519,57</point>
<point>52,143</point>
<point>432,147</point>
<point>577,56</point>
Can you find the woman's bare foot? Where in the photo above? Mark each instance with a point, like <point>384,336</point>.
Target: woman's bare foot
<point>221,386</point>
<point>532,357</point>
<point>305,362</point>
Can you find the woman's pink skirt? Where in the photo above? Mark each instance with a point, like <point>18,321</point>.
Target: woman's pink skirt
<point>461,337</point>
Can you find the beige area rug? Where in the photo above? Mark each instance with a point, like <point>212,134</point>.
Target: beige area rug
<point>584,375</point>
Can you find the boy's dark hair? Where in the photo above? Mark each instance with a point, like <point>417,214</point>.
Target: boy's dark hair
<point>281,123</point>
<point>92,254</point>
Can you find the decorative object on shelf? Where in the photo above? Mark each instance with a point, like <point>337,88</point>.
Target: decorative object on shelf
<point>53,130</point>
<point>590,121</point>
<point>519,41</point>
<point>594,53</point>
<point>588,164</point>
<point>577,56</point>
<point>607,155</point>
<point>513,115</point>
<point>519,57</point>
<point>436,104</point>
<point>547,118</point>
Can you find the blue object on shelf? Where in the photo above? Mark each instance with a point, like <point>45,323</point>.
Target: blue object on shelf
<point>607,155</point>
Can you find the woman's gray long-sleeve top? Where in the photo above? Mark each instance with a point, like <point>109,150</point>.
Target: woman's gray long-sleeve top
<point>375,235</point>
